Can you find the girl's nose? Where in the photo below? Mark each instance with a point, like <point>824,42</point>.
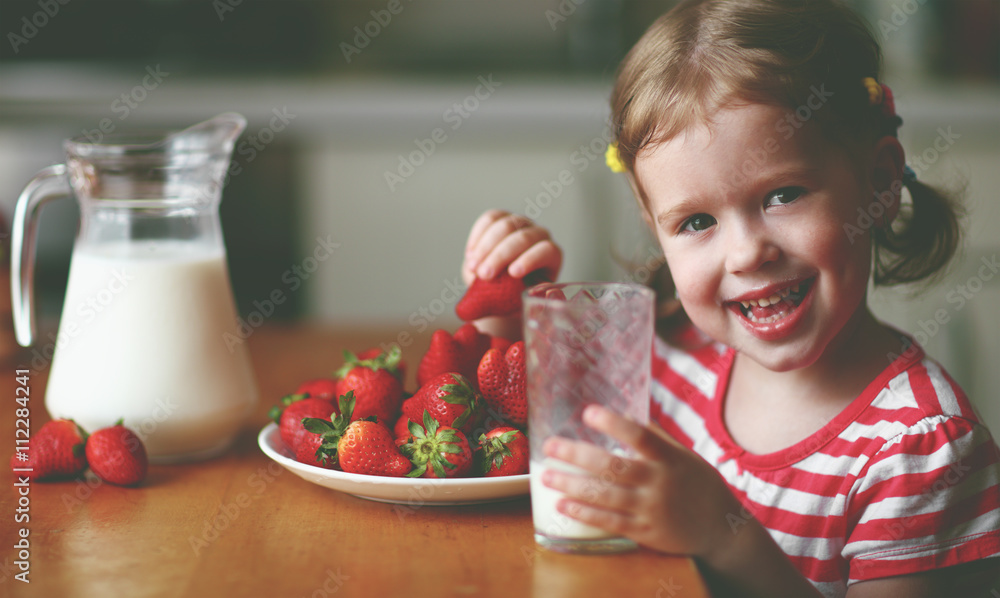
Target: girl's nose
<point>748,248</point>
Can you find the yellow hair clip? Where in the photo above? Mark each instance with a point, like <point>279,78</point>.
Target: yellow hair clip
<point>880,95</point>
<point>612,159</point>
<point>874,91</point>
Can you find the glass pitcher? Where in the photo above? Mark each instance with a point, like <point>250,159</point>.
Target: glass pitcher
<point>148,308</point>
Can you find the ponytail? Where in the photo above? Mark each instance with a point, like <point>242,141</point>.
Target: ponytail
<point>923,240</point>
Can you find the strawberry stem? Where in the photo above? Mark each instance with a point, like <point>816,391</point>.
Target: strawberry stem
<point>386,360</point>
<point>274,413</point>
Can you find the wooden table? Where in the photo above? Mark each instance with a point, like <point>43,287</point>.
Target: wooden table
<point>240,525</point>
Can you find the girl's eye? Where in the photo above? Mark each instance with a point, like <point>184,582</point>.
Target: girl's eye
<point>697,223</point>
<point>784,196</point>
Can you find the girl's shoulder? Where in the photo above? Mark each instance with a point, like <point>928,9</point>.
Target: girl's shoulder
<point>925,488</point>
<point>920,411</point>
<point>915,387</point>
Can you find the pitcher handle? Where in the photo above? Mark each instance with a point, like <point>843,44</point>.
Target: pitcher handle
<point>48,184</point>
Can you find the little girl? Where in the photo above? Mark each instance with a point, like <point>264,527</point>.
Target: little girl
<point>802,447</point>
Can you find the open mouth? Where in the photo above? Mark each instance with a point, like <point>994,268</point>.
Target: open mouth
<point>776,307</point>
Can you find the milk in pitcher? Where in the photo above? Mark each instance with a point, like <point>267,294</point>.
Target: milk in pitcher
<point>153,323</point>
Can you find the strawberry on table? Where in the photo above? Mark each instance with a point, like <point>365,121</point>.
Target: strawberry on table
<point>497,296</point>
<point>459,352</point>
<point>292,410</point>
<point>438,451</point>
<point>450,400</point>
<point>116,455</point>
<point>377,390</point>
<point>504,451</point>
<point>56,450</point>
<point>502,380</point>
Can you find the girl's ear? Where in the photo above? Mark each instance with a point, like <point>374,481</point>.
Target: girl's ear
<point>886,178</point>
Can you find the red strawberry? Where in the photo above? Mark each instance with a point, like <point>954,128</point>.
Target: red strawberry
<point>318,444</point>
<point>56,450</point>
<point>374,352</point>
<point>355,445</point>
<point>438,451</point>
<point>498,296</point>
<point>499,343</point>
<point>297,407</point>
<point>367,447</point>
<point>401,431</point>
<point>502,381</point>
<point>504,451</point>
<point>319,388</point>
<point>449,399</point>
<point>413,408</point>
<point>377,390</point>
<point>117,455</point>
<point>308,449</point>
<point>460,353</point>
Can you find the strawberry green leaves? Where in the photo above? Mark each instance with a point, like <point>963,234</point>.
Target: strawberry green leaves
<point>437,451</point>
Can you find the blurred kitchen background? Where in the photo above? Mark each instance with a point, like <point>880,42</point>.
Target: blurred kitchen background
<point>387,126</point>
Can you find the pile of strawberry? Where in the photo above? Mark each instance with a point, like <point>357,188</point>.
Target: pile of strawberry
<point>467,418</point>
<point>61,449</point>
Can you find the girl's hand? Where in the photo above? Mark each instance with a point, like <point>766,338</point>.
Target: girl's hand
<point>668,498</point>
<point>501,240</point>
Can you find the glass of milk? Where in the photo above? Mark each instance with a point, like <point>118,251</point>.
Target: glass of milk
<point>586,343</point>
<point>147,327</point>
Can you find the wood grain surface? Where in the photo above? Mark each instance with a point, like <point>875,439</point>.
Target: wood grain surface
<point>240,525</point>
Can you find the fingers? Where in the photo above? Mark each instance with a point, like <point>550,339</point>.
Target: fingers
<point>522,251</point>
<point>544,255</point>
<point>597,462</point>
<point>643,439</point>
<point>603,490</point>
<point>501,240</point>
<point>489,230</point>
<point>475,247</point>
<point>610,520</point>
<point>652,448</point>
<point>608,499</point>
<point>480,225</point>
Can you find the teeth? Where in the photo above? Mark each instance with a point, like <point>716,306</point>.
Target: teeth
<point>773,299</point>
<point>768,319</point>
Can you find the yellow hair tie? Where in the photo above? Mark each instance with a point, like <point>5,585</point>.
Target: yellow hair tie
<point>874,91</point>
<point>612,159</point>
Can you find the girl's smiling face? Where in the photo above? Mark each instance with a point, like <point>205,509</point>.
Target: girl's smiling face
<point>753,226</point>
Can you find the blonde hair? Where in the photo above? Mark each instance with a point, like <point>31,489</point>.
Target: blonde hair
<point>704,54</point>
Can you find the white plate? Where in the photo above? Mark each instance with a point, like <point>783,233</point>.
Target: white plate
<point>409,491</point>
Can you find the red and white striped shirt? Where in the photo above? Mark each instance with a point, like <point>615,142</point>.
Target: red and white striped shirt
<point>905,479</point>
